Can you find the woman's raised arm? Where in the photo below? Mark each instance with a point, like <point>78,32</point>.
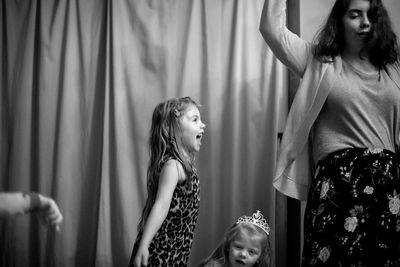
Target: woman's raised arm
<point>289,48</point>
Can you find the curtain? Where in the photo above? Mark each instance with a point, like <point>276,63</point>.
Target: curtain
<point>79,82</point>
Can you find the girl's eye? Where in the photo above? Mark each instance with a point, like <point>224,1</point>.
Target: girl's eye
<point>353,15</point>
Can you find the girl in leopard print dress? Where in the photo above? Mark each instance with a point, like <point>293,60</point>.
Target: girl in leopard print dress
<point>165,231</point>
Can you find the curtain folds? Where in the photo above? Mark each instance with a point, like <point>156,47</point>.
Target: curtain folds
<point>79,82</point>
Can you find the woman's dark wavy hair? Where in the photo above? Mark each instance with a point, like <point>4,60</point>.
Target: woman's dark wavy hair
<point>382,47</point>
<point>165,143</point>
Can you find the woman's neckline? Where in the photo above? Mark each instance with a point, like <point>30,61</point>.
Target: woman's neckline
<point>365,70</point>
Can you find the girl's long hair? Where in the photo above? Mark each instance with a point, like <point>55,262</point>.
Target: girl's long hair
<point>166,143</point>
<point>381,46</point>
<point>221,253</point>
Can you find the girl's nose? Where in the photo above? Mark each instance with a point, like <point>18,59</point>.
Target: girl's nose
<point>365,22</point>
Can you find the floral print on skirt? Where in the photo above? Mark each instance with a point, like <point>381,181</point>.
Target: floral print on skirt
<point>352,216</point>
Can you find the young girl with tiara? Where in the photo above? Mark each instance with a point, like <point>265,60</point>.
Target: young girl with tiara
<point>245,244</point>
<point>165,231</point>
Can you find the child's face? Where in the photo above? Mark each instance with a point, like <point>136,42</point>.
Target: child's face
<point>192,129</point>
<point>244,250</point>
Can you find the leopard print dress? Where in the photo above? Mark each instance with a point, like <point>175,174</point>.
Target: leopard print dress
<point>172,243</point>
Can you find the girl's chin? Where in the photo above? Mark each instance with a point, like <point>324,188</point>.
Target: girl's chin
<point>196,148</point>
<point>238,263</point>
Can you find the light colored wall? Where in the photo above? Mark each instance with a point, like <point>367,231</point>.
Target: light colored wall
<point>313,13</point>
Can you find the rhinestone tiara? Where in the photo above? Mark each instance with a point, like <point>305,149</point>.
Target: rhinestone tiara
<point>257,219</point>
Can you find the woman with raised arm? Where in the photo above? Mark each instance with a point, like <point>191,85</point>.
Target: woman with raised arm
<point>339,150</point>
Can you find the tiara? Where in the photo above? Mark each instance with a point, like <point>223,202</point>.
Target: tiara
<point>257,219</point>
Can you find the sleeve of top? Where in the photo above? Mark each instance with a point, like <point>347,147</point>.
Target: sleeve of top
<point>289,48</point>
<point>13,204</point>
<point>395,76</point>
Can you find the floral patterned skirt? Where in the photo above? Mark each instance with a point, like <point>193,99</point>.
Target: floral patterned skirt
<point>352,216</point>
